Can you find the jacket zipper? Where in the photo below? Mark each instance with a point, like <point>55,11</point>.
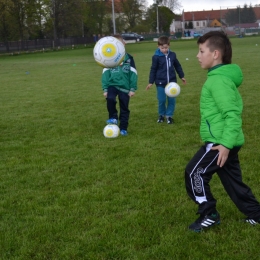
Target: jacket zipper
<point>167,68</point>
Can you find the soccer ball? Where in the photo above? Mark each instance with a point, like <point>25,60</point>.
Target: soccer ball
<point>111,131</point>
<point>172,89</point>
<point>109,52</point>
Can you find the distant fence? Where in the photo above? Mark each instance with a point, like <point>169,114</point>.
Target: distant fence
<point>252,31</point>
<point>42,44</point>
<point>33,45</point>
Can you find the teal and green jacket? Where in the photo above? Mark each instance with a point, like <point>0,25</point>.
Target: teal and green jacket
<point>123,77</point>
<point>221,106</point>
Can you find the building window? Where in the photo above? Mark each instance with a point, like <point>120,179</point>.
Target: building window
<point>198,23</point>
<point>204,24</point>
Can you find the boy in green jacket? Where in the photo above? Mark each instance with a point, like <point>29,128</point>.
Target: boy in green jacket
<point>120,81</point>
<point>221,130</point>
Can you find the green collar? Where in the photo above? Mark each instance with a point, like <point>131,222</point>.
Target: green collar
<point>215,67</point>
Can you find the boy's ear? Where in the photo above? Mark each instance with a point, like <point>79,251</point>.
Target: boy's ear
<point>217,55</point>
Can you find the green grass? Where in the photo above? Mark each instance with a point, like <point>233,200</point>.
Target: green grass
<point>69,193</point>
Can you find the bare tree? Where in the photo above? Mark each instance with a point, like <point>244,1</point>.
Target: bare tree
<point>171,4</point>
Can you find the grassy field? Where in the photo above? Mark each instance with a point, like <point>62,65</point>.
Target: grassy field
<point>66,192</point>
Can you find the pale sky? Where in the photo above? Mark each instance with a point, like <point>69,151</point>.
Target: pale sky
<point>200,5</point>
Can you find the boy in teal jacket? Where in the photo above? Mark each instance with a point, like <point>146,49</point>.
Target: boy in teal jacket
<point>221,130</point>
<point>120,81</point>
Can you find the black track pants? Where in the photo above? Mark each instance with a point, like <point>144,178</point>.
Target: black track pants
<point>112,93</point>
<point>198,174</point>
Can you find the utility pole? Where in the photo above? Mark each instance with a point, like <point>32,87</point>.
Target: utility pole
<point>157,19</point>
<point>113,18</point>
<point>54,22</point>
<point>239,20</point>
<point>156,2</point>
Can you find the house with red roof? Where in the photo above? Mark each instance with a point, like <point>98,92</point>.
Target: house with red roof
<point>204,20</point>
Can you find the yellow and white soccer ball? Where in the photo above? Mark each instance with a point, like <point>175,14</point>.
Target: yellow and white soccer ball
<point>111,131</point>
<point>109,52</point>
<point>172,89</point>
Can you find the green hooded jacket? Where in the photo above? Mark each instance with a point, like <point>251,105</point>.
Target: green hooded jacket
<point>123,77</point>
<point>221,106</point>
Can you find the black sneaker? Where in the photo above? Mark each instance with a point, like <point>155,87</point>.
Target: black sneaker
<point>204,222</point>
<point>160,119</point>
<point>170,120</point>
<point>252,221</point>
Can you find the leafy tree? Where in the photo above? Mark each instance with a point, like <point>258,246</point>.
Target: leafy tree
<point>22,19</point>
<point>188,25</point>
<point>142,27</point>
<point>132,13</point>
<point>18,12</point>
<point>36,14</point>
<point>240,15</point>
<point>97,17</point>
<point>66,17</point>
<point>247,15</point>
<point>165,16</point>
<point>151,17</point>
<point>5,20</point>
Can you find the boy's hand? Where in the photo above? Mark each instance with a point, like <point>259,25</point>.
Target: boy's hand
<point>223,154</point>
<point>148,86</point>
<point>184,81</point>
<point>105,94</point>
<point>131,93</point>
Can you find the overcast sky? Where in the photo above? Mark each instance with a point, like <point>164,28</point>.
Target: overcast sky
<point>199,5</point>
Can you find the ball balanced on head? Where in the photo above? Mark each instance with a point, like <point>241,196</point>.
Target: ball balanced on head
<point>109,52</point>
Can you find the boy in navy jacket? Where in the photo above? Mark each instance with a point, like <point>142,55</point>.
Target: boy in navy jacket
<point>164,65</point>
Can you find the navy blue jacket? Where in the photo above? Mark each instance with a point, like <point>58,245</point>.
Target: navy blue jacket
<point>163,68</point>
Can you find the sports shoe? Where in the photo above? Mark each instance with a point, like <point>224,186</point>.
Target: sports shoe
<point>170,120</point>
<point>160,119</point>
<point>112,121</point>
<point>123,132</point>
<point>204,222</point>
<point>252,221</point>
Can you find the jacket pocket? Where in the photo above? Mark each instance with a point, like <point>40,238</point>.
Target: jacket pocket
<point>208,124</point>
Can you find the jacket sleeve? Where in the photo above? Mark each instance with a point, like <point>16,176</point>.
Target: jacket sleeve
<point>178,68</point>
<point>153,70</point>
<point>133,75</point>
<point>105,79</point>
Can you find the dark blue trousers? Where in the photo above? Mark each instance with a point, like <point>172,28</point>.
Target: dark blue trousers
<point>123,98</point>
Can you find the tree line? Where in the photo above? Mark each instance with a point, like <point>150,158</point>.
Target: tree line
<point>53,19</point>
<point>240,15</point>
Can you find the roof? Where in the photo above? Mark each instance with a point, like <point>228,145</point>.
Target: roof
<point>204,15</point>
<point>211,14</point>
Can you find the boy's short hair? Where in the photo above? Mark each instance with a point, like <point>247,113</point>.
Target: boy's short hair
<point>218,40</point>
<point>163,40</point>
<point>119,37</point>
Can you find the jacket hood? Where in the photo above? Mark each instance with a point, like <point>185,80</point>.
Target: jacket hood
<point>231,71</point>
<point>159,53</point>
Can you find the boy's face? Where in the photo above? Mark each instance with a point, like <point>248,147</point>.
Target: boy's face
<point>164,48</point>
<point>208,58</point>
